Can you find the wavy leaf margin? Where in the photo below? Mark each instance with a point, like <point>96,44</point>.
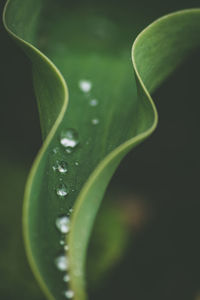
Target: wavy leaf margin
<point>106,168</point>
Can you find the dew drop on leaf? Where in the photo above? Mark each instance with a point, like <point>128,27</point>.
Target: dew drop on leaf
<point>55,150</point>
<point>69,150</point>
<point>66,247</point>
<point>93,102</point>
<point>95,121</point>
<point>62,224</point>
<point>85,85</point>
<point>69,138</point>
<point>69,294</point>
<point>66,278</point>
<point>61,263</point>
<point>62,190</point>
<point>60,166</point>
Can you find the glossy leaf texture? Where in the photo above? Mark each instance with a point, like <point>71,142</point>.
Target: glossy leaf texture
<point>95,106</point>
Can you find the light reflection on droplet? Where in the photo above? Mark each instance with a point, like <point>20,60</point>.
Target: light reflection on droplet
<point>66,247</point>
<point>60,166</point>
<point>62,190</point>
<point>69,150</point>
<point>93,102</point>
<point>62,223</point>
<point>69,294</point>
<point>55,150</point>
<point>85,85</point>
<point>61,263</point>
<point>95,121</point>
<point>69,138</point>
<point>66,278</point>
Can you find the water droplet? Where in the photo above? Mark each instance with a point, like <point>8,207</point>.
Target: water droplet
<point>95,121</point>
<point>69,150</point>
<point>62,223</point>
<point>61,262</point>
<point>66,247</point>
<point>55,150</point>
<point>60,166</point>
<point>93,102</point>
<point>76,163</point>
<point>69,294</point>
<point>62,190</point>
<point>54,168</point>
<point>85,85</point>
<point>66,278</point>
<point>69,139</point>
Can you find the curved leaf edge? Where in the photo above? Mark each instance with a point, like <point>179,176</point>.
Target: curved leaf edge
<point>119,151</point>
<point>78,284</point>
<point>45,144</point>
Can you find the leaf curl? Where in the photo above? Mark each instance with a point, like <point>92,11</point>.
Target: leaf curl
<point>125,115</point>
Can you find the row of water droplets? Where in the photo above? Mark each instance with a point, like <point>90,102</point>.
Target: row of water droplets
<point>86,86</point>
<point>69,140</point>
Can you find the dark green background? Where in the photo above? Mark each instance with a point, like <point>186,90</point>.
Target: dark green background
<point>162,261</point>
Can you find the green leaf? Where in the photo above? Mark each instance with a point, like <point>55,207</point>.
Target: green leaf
<point>14,173</point>
<point>108,243</point>
<point>87,42</point>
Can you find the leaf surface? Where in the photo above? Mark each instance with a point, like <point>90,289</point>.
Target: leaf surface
<point>84,51</point>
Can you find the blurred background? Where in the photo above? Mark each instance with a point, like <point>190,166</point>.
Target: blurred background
<point>155,190</point>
